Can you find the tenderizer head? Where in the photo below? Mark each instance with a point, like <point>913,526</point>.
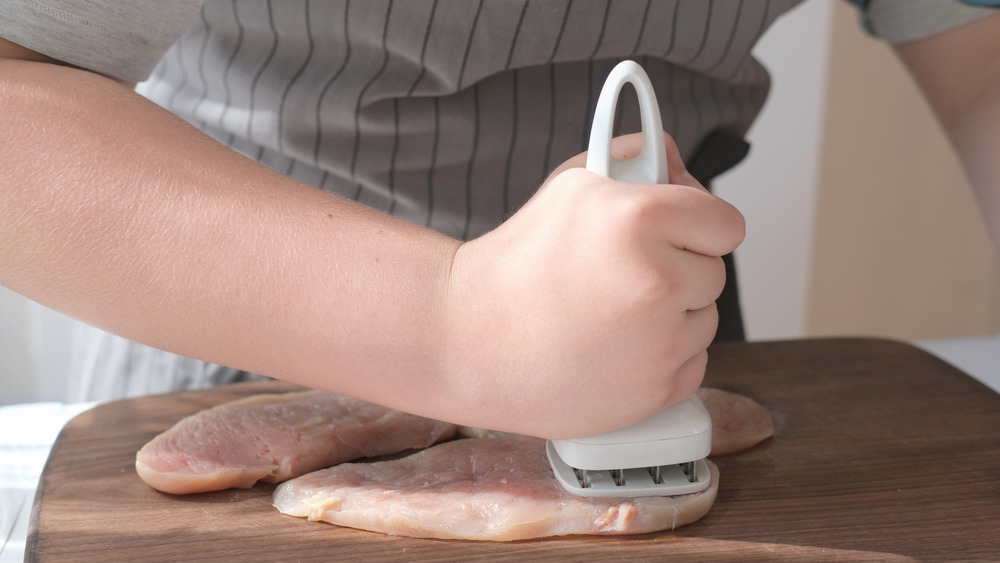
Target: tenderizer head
<point>661,456</point>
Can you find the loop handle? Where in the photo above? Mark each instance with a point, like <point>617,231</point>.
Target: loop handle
<point>651,164</point>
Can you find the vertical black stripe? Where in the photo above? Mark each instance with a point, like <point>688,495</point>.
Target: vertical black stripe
<point>392,156</point>
<point>761,26</point>
<point>704,36</point>
<point>227,91</point>
<point>468,44</point>
<point>423,50</point>
<point>513,119</point>
<point>433,162</point>
<point>713,90</point>
<point>257,75</point>
<point>729,42</point>
<point>205,39</point>
<point>510,147</point>
<point>676,115</point>
<point>517,33</point>
<point>552,121</point>
<point>765,20</point>
<point>694,78</point>
<point>360,100</point>
<point>591,100</point>
<point>642,29</point>
<point>475,129</point>
<point>182,83</point>
<point>600,35</point>
<point>664,108</point>
<point>552,92</point>
<point>434,151</point>
<point>260,69</point>
<point>326,89</point>
<point>673,32</point>
<point>291,84</point>
<point>472,158</point>
<point>395,110</point>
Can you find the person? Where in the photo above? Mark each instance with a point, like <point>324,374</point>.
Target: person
<point>355,208</point>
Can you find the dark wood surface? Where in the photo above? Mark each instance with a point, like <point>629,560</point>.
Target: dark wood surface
<point>882,452</point>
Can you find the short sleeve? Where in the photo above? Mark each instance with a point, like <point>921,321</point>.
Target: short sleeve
<point>898,21</point>
<point>120,38</point>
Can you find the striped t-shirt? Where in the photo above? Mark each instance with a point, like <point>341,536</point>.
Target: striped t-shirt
<point>451,113</point>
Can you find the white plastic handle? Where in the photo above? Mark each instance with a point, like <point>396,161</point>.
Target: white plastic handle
<point>651,164</point>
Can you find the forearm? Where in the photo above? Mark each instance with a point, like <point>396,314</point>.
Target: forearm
<point>120,214</point>
<point>976,140</point>
<point>959,73</point>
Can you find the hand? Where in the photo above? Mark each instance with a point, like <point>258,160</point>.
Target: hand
<point>592,307</point>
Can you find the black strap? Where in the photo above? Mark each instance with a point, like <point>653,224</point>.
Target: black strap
<point>719,152</point>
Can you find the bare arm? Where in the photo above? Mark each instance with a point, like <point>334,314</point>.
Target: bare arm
<point>120,214</point>
<point>587,311</point>
<point>959,72</point>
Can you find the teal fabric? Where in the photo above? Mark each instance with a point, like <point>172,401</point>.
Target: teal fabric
<point>866,21</point>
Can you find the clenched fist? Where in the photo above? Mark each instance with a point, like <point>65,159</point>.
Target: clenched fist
<point>592,307</point>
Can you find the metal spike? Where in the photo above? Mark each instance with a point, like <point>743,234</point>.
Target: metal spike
<point>689,469</point>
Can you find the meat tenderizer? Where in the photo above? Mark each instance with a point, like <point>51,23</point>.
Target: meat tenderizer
<point>663,455</point>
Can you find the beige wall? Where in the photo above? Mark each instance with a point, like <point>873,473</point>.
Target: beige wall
<point>899,248</point>
<point>775,188</point>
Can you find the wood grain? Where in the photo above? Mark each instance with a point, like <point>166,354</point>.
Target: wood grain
<point>882,452</point>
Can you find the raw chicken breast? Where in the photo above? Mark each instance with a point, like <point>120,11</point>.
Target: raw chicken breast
<point>275,437</point>
<point>738,422</point>
<point>498,489</point>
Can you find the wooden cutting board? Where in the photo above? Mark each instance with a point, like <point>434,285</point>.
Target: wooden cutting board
<point>881,452</point>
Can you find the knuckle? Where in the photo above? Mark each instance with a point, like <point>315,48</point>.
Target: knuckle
<point>639,208</point>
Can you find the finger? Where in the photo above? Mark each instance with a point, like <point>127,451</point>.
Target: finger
<point>629,146</point>
<point>697,280</point>
<point>683,217</point>
<point>695,220</point>
<point>700,328</point>
<point>688,377</point>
